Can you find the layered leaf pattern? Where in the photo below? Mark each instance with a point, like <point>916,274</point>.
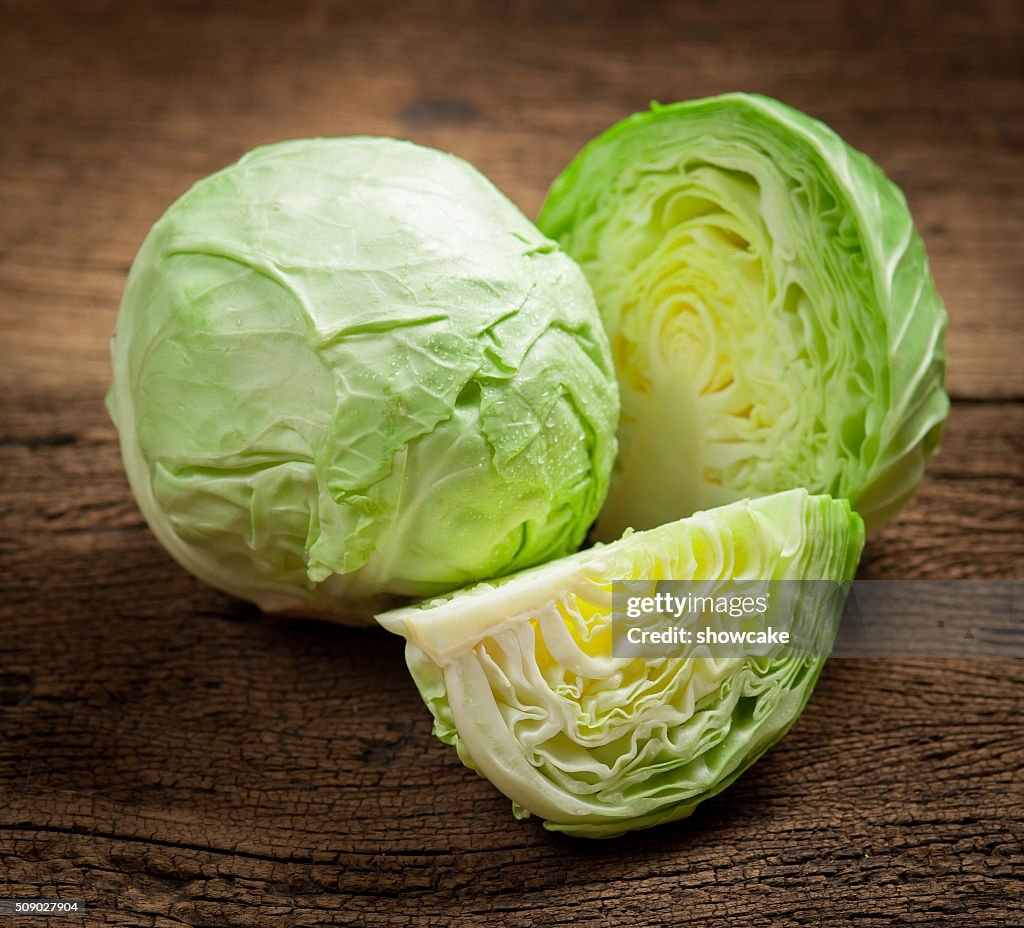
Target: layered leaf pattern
<point>772,314</point>
<point>521,678</point>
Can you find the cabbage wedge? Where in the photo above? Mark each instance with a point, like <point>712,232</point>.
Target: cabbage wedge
<point>773,319</point>
<point>521,677</point>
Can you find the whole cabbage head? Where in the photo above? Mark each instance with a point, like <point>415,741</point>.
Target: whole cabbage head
<point>349,370</point>
<point>773,319</point>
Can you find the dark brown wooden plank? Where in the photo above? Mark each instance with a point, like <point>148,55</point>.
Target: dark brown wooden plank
<point>111,110</point>
<point>63,478</point>
<point>175,758</point>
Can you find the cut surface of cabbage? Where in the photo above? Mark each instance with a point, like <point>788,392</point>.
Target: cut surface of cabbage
<point>521,678</point>
<point>772,315</point>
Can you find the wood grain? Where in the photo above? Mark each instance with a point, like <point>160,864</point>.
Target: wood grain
<point>175,758</point>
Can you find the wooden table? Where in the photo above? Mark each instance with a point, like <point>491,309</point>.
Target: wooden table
<point>174,758</point>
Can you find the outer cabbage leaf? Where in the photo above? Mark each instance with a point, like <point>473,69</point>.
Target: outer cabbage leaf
<point>773,319</point>
<point>347,370</point>
<point>520,675</point>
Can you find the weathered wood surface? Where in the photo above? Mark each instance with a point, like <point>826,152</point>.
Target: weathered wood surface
<point>177,759</point>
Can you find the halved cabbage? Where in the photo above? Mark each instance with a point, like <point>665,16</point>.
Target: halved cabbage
<point>773,319</point>
<point>520,676</point>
